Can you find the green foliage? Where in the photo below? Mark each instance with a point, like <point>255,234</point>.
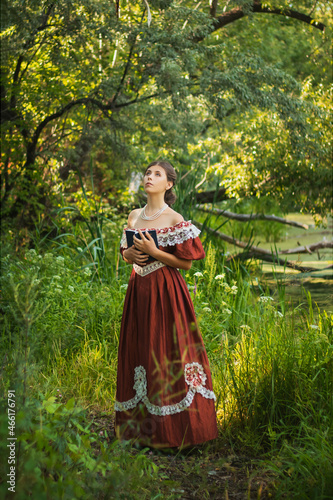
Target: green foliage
<point>88,80</point>
<point>271,364</point>
<point>59,455</point>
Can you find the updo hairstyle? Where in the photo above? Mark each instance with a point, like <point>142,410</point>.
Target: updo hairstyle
<point>169,196</point>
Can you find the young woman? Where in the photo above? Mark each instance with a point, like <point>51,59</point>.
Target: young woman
<point>164,389</point>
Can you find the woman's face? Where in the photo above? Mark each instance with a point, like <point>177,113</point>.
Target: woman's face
<point>156,181</point>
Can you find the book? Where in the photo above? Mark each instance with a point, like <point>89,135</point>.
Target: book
<point>130,233</point>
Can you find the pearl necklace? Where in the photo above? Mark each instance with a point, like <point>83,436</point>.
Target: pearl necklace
<point>152,217</point>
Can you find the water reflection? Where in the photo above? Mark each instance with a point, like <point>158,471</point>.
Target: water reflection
<point>297,287</point>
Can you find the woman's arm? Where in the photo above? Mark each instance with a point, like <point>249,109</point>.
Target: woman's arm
<point>172,260</point>
<point>147,246</point>
<point>132,255</point>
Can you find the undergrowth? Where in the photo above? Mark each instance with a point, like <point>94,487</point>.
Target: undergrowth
<point>272,370</point>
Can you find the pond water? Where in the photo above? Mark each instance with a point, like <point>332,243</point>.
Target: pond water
<point>320,282</point>
<point>297,286</point>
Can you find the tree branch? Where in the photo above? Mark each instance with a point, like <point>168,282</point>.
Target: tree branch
<point>273,259</point>
<point>308,248</point>
<point>213,7</point>
<point>246,217</point>
<point>237,13</point>
<point>262,251</point>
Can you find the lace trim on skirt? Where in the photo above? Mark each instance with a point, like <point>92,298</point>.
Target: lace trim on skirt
<point>195,378</point>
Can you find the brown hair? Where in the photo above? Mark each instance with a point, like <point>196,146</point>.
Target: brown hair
<point>169,196</point>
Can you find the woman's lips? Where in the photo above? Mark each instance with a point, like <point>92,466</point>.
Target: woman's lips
<point>148,184</point>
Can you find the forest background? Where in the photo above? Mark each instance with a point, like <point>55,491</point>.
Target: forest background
<point>237,95</point>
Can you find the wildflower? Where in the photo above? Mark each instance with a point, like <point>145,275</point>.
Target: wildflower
<point>278,313</point>
<point>101,433</point>
<point>265,299</point>
<point>220,276</point>
<point>314,327</point>
<point>125,286</point>
<point>195,290</point>
<point>60,259</point>
<point>207,309</point>
<point>227,311</point>
<point>245,327</point>
<point>87,271</point>
<point>234,290</point>
<point>56,277</point>
<point>198,274</point>
<point>71,288</point>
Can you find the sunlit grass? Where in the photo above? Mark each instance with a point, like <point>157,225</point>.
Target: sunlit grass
<point>271,363</point>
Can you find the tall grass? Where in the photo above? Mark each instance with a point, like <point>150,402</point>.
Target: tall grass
<point>272,367</point>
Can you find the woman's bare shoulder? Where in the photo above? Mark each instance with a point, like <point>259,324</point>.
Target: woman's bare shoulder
<point>133,217</point>
<point>175,217</point>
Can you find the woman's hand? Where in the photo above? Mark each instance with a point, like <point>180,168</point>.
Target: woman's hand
<point>146,244</point>
<point>131,255</point>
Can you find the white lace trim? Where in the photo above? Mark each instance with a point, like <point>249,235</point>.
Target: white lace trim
<point>149,268</point>
<point>170,236</point>
<point>195,378</point>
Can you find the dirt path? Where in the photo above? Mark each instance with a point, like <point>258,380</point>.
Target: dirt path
<point>207,471</point>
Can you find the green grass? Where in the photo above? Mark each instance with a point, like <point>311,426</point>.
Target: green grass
<point>272,367</point>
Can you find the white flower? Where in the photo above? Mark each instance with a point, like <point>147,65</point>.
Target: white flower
<point>314,327</point>
<point>198,274</point>
<point>79,249</point>
<point>265,299</point>
<point>227,311</point>
<point>207,309</point>
<point>278,313</point>
<point>56,277</point>
<point>125,286</point>
<point>71,288</point>
<point>245,327</point>
<point>220,276</point>
<point>60,259</point>
<point>87,271</point>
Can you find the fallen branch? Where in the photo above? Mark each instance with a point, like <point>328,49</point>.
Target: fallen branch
<point>246,217</point>
<point>309,248</point>
<point>233,241</point>
<point>266,255</point>
<point>271,258</point>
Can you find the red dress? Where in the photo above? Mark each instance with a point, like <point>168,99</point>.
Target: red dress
<point>164,387</point>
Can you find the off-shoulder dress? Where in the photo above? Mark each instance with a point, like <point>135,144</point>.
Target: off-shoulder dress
<point>164,393</point>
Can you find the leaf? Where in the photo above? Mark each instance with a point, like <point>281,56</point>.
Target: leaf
<point>70,404</point>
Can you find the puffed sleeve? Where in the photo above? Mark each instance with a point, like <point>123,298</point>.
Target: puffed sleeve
<point>123,243</point>
<point>184,242</point>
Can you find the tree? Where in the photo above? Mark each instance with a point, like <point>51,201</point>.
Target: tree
<point>90,78</point>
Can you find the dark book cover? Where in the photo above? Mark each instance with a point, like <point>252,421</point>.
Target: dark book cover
<point>134,232</point>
